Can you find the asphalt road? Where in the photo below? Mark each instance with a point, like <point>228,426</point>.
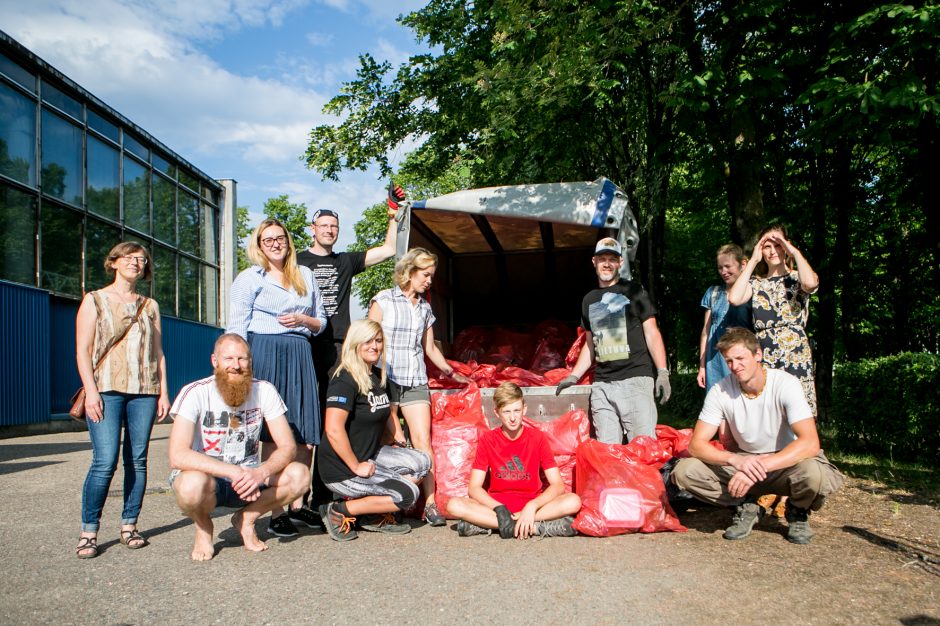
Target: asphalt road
<point>428,576</point>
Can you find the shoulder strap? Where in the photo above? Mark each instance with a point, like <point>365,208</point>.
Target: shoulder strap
<point>127,329</point>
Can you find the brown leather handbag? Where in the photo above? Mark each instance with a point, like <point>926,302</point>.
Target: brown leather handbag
<point>77,410</point>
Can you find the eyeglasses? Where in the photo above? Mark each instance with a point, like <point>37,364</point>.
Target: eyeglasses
<point>139,260</point>
<point>268,242</point>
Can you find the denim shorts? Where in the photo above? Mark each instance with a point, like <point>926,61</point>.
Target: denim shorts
<point>225,495</point>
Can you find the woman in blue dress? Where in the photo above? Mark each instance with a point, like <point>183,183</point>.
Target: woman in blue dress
<point>720,315</point>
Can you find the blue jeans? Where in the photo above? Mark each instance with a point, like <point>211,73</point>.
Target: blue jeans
<point>136,414</point>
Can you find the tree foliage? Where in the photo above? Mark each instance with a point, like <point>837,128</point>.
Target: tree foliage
<point>294,218</point>
<point>242,231</point>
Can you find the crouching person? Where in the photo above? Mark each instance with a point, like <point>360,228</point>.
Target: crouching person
<point>214,449</point>
<point>515,457</point>
<point>778,451</point>
<point>375,480</point>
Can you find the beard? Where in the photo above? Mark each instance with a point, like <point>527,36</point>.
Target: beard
<point>234,388</point>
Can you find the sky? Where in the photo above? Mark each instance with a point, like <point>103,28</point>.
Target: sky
<point>232,86</point>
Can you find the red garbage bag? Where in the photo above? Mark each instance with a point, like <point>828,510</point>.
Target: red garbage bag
<point>523,378</point>
<point>510,347</point>
<point>619,495</point>
<point>649,451</point>
<point>457,423</point>
<point>547,357</point>
<point>472,343</point>
<point>565,433</point>
<point>678,439</point>
<point>575,351</point>
<point>437,380</point>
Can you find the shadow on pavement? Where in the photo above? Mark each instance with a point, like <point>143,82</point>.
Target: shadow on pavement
<point>12,468</point>
<point>10,452</point>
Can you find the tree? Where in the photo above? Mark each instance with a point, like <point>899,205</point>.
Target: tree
<point>242,232</point>
<point>292,216</point>
<point>370,232</point>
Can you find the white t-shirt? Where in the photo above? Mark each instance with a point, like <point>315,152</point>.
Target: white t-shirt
<point>761,425</point>
<point>230,435</point>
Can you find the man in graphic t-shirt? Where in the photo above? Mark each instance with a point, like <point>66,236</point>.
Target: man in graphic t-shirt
<point>214,449</point>
<point>624,341</point>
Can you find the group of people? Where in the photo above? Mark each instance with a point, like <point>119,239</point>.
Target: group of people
<point>297,385</point>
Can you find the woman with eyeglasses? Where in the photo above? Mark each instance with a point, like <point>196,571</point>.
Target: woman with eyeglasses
<point>126,390</point>
<point>276,306</point>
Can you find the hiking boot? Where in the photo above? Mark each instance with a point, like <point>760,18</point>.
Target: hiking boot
<point>305,516</point>
<point>745,519</point>
<point>466,529</point>
<point>507,525</point>
<point>556,527</point>
<point>339,526</point>
<point>432,515</point>
<point>282,526</point>
<point>798,520</point>
<point>384,523</point>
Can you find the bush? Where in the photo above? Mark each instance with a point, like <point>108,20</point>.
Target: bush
<point>685,403</point>
<point>889,406</point>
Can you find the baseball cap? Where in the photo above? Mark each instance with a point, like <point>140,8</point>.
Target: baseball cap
<point>324,213</point>
<point>608,245</point>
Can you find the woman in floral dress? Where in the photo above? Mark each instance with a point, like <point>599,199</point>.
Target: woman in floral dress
<point>779,295</point>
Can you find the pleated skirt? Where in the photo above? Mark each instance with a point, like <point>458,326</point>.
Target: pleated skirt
<point>286,361</point>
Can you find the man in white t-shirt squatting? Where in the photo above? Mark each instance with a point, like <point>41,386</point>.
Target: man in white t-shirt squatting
<point>214,450</point>
<point>773,446</point>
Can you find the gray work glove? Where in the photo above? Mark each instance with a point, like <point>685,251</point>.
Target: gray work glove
<point>564,383</point>
<point>661,387</point>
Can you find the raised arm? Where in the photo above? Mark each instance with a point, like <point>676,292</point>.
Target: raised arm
<point>809,281</point>
<point>387,249</point>
<point>741,292</point>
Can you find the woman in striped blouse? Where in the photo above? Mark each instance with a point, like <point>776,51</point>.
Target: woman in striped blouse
<point>276,306</point>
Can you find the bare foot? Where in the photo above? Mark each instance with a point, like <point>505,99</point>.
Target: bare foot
<point>247,530</point>
<point>203,550</point>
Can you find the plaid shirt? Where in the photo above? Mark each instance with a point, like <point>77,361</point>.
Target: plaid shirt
<point>404,324</point>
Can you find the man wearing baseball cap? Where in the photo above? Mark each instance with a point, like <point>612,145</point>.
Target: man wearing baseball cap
<point>624,341</point>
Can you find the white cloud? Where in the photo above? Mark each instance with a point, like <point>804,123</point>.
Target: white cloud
<point>320,39</point>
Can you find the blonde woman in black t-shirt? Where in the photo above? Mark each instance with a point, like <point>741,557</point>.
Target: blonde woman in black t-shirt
<point>377,481</point>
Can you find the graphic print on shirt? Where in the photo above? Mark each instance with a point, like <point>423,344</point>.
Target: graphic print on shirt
<point>512,469</point>
<point>233,436</point>
<point>326,277</point>
<point>609,327</point>
<point>378,401</point>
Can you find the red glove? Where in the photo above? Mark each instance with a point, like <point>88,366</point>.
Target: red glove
<point>395,195</point>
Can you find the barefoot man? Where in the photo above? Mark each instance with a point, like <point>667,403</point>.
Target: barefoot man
<point>214,448</point>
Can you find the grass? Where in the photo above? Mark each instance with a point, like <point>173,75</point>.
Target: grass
<point>920,480</point>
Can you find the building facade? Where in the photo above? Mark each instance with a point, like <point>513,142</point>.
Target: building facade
<point>77,177</point>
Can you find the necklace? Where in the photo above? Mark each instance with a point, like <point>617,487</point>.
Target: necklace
<point>123,297</point>
<point>752,396</point>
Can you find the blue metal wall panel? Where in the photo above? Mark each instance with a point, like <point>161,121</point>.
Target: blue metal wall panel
<point>63,371</point>
<point>24,355</point>
<point>187,346</point>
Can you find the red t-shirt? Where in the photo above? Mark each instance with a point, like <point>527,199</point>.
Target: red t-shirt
<point>514,466</point>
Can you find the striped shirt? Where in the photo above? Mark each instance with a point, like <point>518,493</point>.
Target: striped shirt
<point>131,367</point>
<point>403,325</point>
<point>257,300</point>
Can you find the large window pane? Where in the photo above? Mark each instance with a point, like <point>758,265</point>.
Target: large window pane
<point>188,217</point>
<point>102,191</point>
<point>164,210</point>
<point>210,234</point>
<point>132,145</point>
<point>61,250</point>
<point>17,253</point>
<point>189,289</point>
<point>99,239</point>
<point>190,180</point>
<point>17,136</point>
<point>136,196</point>
<point>17,73</point>
<point>163,165</point>
<point>210,295</point>
<point>61,158</point>
<point>103,126</point>
<point>69,105</point>
<point>164,279</point>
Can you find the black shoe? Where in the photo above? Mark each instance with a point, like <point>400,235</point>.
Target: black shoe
<point>507,525</point>
<point>798,520</point>
<point>282,526</point>
<point>556,527</point>
<point>384,523</point>
<point>432,515</point>
<point>339,526</point>
<point>745,519</point>
<point>305,516</point>
<point>466,529</point>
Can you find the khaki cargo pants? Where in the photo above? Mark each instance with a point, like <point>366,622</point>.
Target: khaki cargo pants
<point>807,483</point>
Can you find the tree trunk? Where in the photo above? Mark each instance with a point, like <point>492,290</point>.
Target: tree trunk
<point>742,180</point>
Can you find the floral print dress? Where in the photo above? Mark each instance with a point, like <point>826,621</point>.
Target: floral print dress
<point>780,309</point>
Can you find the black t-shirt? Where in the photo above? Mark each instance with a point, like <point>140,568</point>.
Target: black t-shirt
<point>614,315</point>
<point>334,274</point>
<point>365,424</point>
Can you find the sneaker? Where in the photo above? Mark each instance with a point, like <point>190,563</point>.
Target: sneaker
<point>432,515</point>
<point>282,526</point>
<point>507,525</point>
<point>305,516</point>
<point>384,523</point>
<point>798,520</point>
<point>338,525</point>
<point>466,529</point>
<point>556,527</point>
<point>745,519</point>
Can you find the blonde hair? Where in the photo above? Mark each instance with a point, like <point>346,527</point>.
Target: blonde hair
<point>360,332</point>
<point>507,393</point>
<point>292,276</point>
<point>414,260</point>
<point>734,250</point>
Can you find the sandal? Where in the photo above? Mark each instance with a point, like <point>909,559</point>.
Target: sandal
<point>89,544</point>
<point>133,539</point>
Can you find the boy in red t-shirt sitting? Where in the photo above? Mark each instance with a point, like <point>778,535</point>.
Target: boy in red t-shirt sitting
<point>515,503</point>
